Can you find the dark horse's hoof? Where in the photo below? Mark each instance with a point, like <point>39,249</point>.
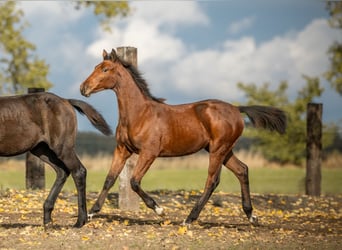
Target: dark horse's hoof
<point>254,220</point>
<point>48,225</point>
<point>79,224</point>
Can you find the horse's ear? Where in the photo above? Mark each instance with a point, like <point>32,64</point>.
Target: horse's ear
<point>113,55</point>
<point>105,55</point>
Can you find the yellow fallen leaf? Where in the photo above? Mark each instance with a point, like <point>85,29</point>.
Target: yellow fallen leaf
<point>166,222</point>
<point>182,230</point>
<point>85,238</point>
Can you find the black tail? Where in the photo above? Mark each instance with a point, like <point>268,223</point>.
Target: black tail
<point>92,114</point>
<point>266,117</point>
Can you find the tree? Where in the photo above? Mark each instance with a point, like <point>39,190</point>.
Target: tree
<point>288,148</point>
<point>19,67</point>
<point>334,74</point>
<point>106,10</point>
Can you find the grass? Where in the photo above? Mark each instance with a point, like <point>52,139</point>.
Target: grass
<point>187,173</point>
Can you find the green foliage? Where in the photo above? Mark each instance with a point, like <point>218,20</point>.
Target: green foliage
<point>334,74</point>
<point>94,143</point>
<point>288,148</point>
<point>106,10</point>
<point>19,67</point>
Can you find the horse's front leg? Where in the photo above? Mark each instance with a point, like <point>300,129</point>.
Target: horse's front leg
<point>121,154</point>
<point>143,164</point>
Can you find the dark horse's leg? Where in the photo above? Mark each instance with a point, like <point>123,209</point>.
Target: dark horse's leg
<point>62,168</point>
<point>70,161</point>
<point>213,179</point>
<point>79,174</point>
<point>241,172</point>
<point>61,176</point>
<point>120,156</point>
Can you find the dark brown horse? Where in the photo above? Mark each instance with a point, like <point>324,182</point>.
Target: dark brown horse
<point>151,128</point>
<point>46,125</point>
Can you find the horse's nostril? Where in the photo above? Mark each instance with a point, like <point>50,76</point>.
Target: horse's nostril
<point>83,90</point>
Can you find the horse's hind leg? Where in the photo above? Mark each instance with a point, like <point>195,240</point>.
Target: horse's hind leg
<point>61,176</point>
<point>63,166</point>
<point>241,172</point>
<point>213,179</point>
<point>79,174</point>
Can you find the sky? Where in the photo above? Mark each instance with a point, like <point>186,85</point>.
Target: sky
<point>189,50</point>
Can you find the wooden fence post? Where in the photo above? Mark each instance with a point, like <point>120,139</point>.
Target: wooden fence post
<point>128,199</point>
<point>314,149</point>
<point>35,171</point>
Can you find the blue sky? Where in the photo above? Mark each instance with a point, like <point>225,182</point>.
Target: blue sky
<point>189,50</point>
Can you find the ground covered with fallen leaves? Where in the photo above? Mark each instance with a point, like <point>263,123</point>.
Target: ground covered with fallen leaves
<point>286,222</point>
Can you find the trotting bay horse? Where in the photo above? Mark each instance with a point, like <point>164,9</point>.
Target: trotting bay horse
<point>46,125</point>
<point>151,128</point>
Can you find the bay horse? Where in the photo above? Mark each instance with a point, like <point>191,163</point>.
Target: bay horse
<point>46,125</point>
<point>151,128</point>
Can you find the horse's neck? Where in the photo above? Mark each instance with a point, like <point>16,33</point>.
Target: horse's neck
<point>131,101</point>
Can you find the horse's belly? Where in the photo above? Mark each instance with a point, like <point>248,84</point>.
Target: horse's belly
<point>16,140</point>
<point>183,145</point>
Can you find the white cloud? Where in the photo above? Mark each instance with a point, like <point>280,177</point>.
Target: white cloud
<point>309,49</point>
<point>51,13</point>
<point>144,29</point>
<point>243,24</point>
<point>170,13</point>
<point>214,73</point>
<point>150,41</point>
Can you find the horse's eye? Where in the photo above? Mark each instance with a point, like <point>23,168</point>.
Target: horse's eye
<point>104,70</point>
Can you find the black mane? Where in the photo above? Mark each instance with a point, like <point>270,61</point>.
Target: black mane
<point>139,80</point>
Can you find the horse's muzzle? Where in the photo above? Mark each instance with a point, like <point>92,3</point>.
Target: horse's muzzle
<point>84,90</point>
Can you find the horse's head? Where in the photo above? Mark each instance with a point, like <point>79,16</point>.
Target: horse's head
<point>103,77</point>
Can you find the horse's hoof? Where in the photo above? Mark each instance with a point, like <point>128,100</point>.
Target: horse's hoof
<point>79,224</point>
<point>90,216</point>
<point>254,220</point>
<point>48,225</point>
<point>186,224</point>
<point>159,211</point>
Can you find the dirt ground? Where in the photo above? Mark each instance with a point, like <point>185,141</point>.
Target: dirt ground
<point>286,222</point>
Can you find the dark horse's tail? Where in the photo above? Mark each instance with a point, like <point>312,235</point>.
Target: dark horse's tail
<point>93,115</point>
<point>266,117</point>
